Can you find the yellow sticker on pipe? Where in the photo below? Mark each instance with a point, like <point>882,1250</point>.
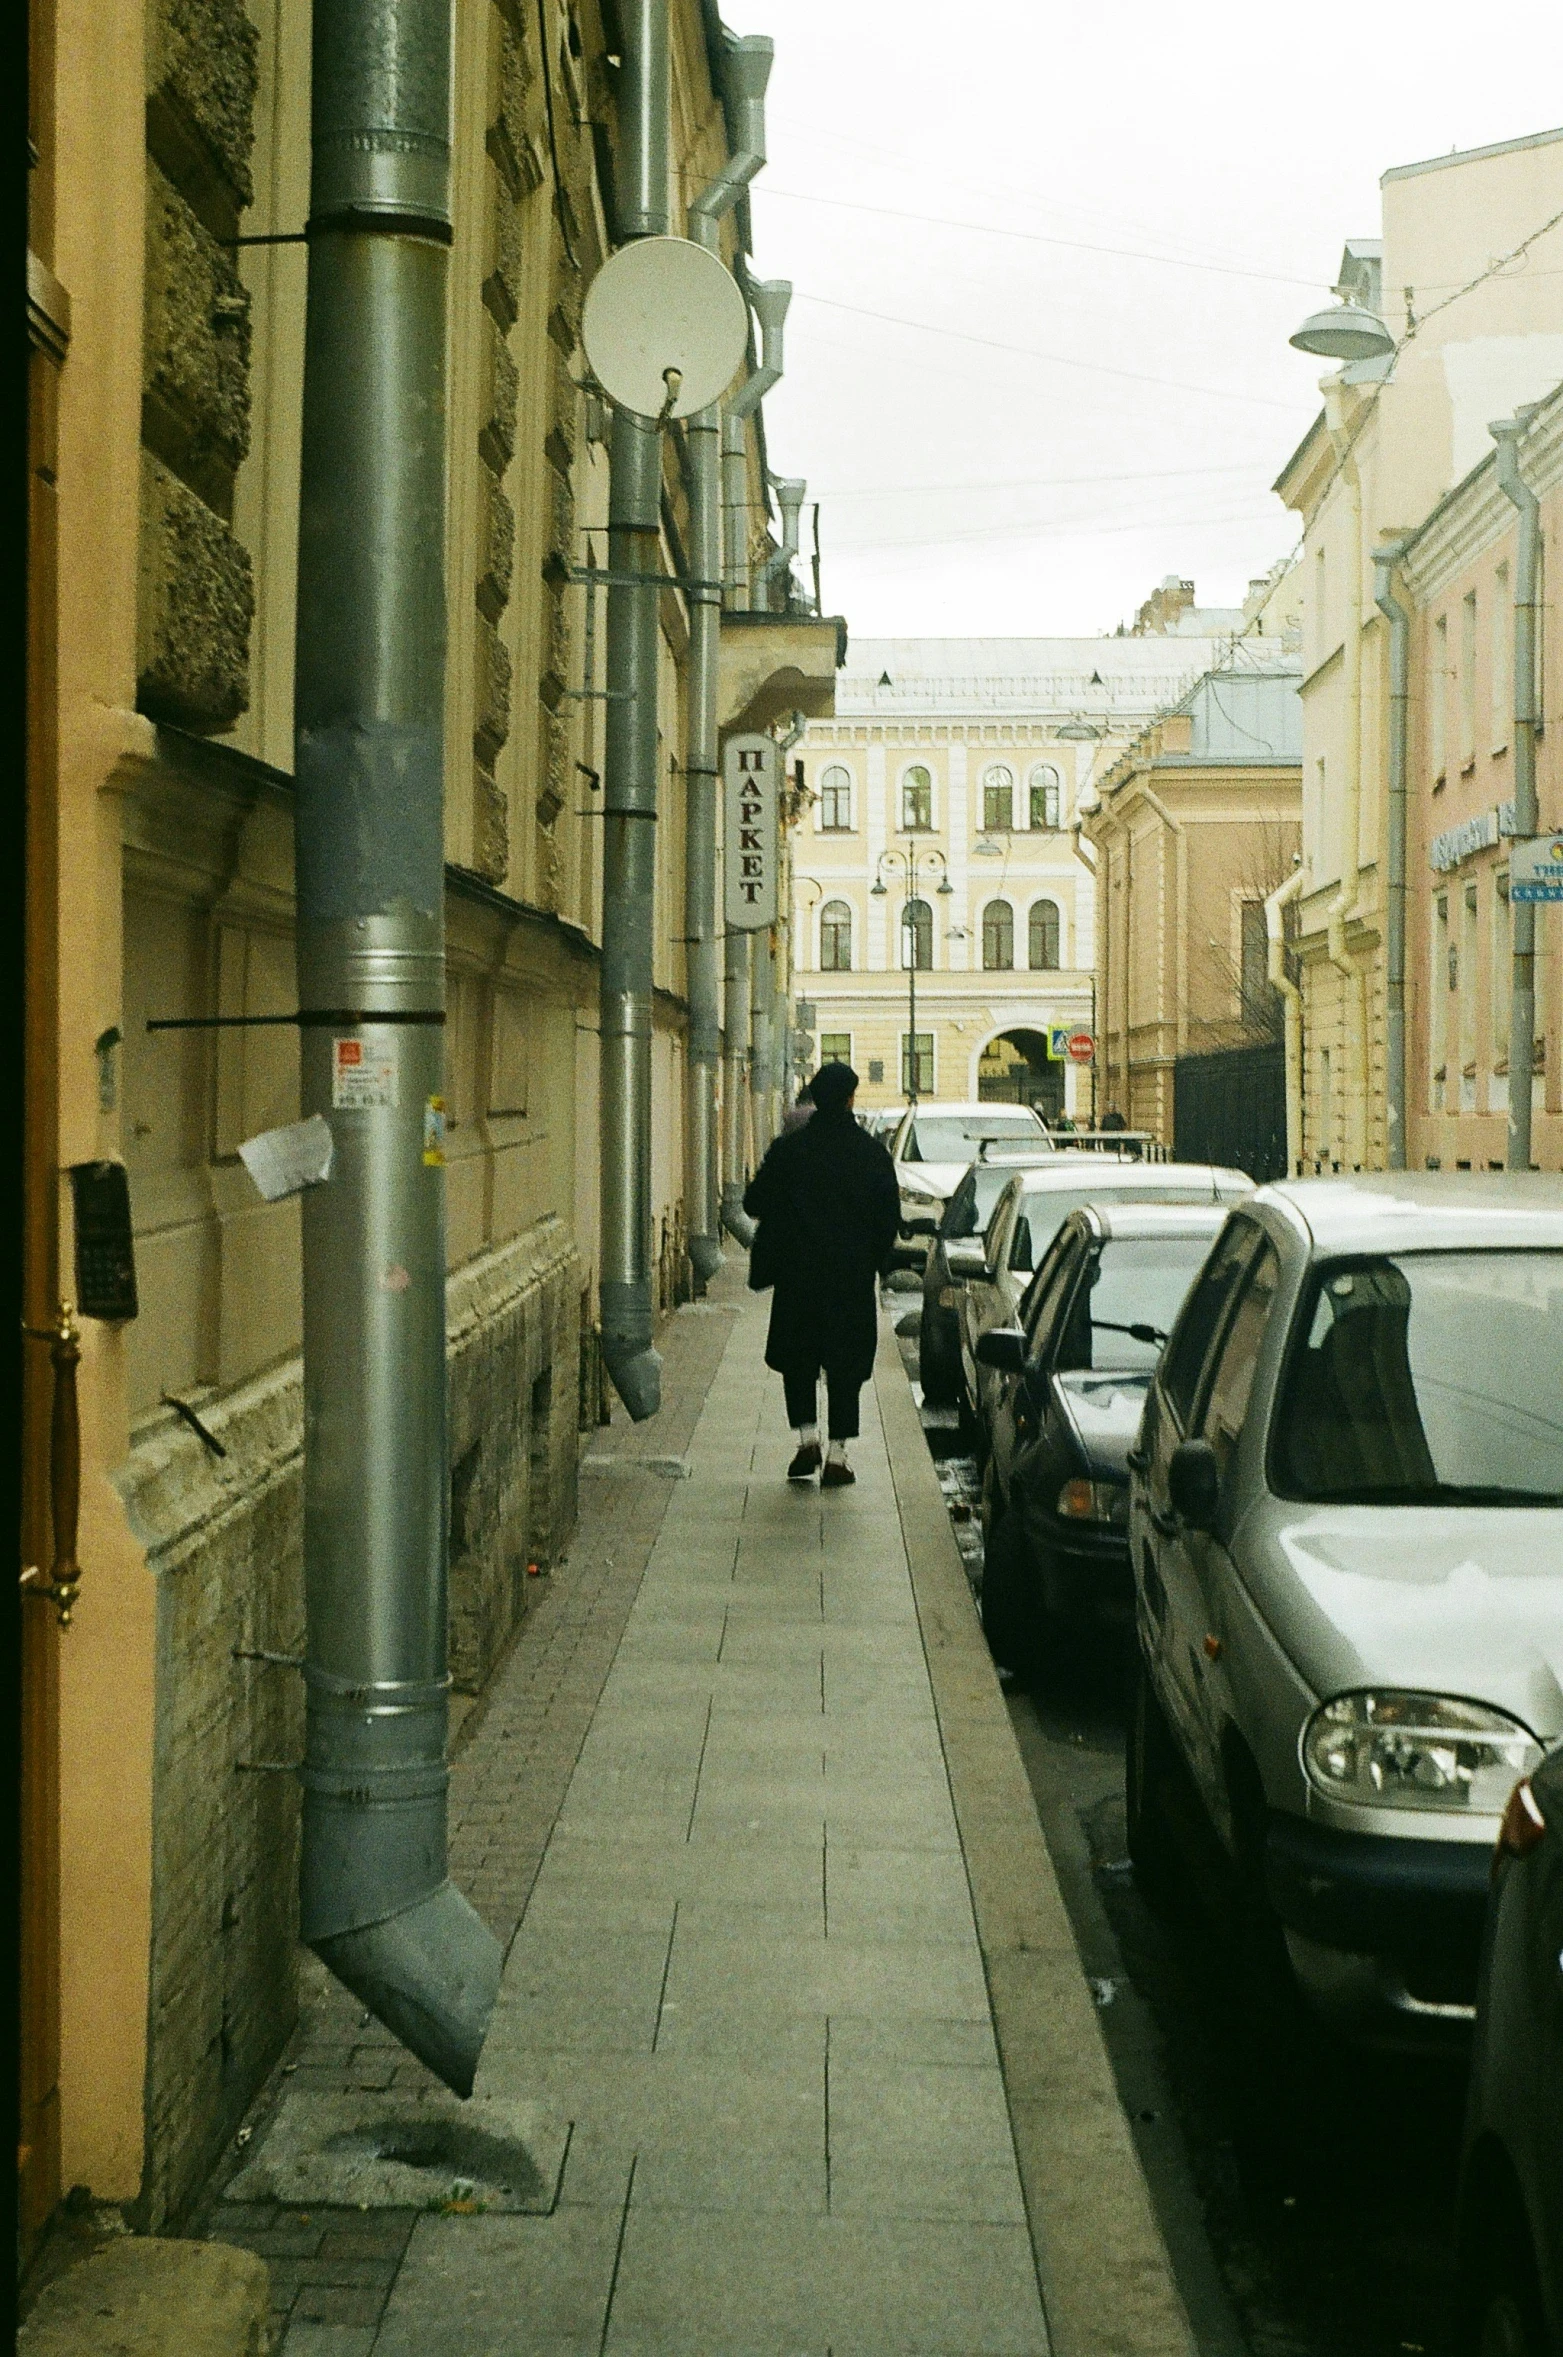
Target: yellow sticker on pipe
<point>434,1133</point>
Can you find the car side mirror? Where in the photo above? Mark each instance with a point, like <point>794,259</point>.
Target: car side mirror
<point>1194,1483</point>
<point>1003,1348</point>
<point>964,1258</point>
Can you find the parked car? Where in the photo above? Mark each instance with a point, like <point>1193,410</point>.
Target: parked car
<point>935,1146</point>
<point>965,1216</point>
<point>993,1277</point>
<point>1070,1387</point>
<point>1346,1526</point>
<point>1510,2231</point>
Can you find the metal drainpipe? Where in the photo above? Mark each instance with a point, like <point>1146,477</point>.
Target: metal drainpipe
<point>629,851</point>
<point>762,1008</point>
<point>1291,998</point>
<point>1354,1093</point>
<point>791,492</point>
<point>1398,615</point>
<point>1522,914</point>
<point>747,70</point>
<point>735,1086</point>
<point>769,298</point>
<point>376,1903</point>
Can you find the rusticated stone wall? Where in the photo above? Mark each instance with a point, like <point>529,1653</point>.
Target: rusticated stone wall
<point>196,593</point>
<point>224,1542</point>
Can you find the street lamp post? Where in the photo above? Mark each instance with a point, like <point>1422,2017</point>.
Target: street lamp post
<point>911,864</point>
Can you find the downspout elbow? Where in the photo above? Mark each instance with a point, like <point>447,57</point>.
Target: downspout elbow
<point>746,72</point>
<point>634,1367</point>
<point>769,298</point>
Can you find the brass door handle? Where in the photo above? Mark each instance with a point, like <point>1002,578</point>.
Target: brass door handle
<point>61,1585</point>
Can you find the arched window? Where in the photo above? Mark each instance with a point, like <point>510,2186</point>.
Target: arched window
<point>998,799</point>
<point>917,801</point>
<point>1042,927</point>
<point>1046,797</point>
<point>917,936</point>
<point>998,937</point>
<point>835,800</point>
<point>835,938</point>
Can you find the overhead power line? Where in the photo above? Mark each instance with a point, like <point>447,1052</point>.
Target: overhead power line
<point>1035,237</point>
<point>1131,376</point>
<point>1033,482</point>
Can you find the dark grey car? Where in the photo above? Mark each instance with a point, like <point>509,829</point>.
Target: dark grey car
<point>1511,2192</point>
<point>965,1215</point>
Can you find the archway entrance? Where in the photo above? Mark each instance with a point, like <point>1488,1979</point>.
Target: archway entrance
<point>1015,1069</point>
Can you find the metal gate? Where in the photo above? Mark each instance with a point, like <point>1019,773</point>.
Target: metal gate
<point>1231,1108</point>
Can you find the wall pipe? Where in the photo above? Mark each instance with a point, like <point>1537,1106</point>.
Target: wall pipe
<point>747,68</point>
<point>1398,615</point>
<point>791,492</point>
<point>376,1902</point>
<point>630,772</point>
<point>1354,1092</point>
<point>1522,913</point>
<point>1291,1000</point>
<point>762,1012</point>
<point>769,298</point>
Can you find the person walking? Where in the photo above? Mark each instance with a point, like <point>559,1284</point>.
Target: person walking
<point>828,1210</point>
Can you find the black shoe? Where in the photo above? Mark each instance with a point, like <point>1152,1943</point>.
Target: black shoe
<point>805,1464</point>
<point>838,1474</point>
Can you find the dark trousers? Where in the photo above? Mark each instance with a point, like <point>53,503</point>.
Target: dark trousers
<point>801,1385</point>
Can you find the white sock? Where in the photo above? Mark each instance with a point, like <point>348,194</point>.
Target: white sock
<point>808,1435</point>
<point>836,1454</point>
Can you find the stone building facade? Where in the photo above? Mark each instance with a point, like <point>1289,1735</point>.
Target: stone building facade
<point>966,763</point>
<point>1193,829</point>
<point>170,195</point>
<point>1394,440</point>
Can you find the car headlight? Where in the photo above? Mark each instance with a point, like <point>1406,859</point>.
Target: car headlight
<point>1416,1751</point>
<point>1094,1501</point>
<point>912,1191</point>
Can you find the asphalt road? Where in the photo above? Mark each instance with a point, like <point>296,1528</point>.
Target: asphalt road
<point>1308,2206</point>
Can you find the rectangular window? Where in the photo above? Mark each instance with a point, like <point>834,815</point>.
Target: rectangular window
<point>1502,659</point>
<point>1468,677</point>
<point>918,1083</point>
<point>835,1047</point>
<point>1255,989</point>
<point>1438,1002</point>
<point>1438,700</point>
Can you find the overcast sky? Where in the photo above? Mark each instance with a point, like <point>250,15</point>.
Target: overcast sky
<point>1038,426</point>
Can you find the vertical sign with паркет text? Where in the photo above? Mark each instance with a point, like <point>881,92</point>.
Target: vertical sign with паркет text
<point>750,769</point>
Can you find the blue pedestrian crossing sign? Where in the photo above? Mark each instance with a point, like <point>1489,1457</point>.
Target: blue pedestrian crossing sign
<point>1058,1043</point>
<point>1536,868</point>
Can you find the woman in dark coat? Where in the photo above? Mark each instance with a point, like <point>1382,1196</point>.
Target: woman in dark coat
<point>829,1210</point>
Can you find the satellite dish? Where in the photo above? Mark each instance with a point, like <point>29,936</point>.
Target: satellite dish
<point>664,318</point>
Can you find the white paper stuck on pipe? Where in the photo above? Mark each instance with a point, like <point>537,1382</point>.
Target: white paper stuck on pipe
<point>282,1161</point>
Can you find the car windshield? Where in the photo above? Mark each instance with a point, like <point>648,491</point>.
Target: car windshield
<point>956,1137</point>
<point>1136,1281</point>
<point>1428,1379</point>
<point>971,1205</point>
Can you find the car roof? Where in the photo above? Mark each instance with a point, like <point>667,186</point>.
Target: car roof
<point>1128,1176</point>
<point>1420,1210</point>
<point>1125,1220</point>
<point>969,1110</point>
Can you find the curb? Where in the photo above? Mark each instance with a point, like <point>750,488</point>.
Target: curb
<point>1107,2283</point>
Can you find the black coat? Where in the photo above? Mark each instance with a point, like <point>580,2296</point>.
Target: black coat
<point>829,1210</point>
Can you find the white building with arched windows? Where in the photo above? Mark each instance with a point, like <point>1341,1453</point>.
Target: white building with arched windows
<point>943,911</point>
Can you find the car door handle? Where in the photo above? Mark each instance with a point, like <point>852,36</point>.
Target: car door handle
<point>1136,1460</point>
<point>1163,1519</point>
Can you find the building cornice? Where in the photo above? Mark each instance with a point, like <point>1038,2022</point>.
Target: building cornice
<point>1475,513</point>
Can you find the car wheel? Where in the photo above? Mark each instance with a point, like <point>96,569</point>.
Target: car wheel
<point>1150,1765</point>
<point>938,1364</point>
<point>1005,1612</point>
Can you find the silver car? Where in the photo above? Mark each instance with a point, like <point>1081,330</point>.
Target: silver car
<point>1346,1529</point>
<point>934,1147</point>
<point>993,1272</point>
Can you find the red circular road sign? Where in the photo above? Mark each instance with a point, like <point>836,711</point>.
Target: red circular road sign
<point>1082,1047</point>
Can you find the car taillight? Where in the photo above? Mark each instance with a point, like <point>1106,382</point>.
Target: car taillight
<point>1523,1824</point>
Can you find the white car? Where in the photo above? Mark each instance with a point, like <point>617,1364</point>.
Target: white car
<point>1346,1526</point>
<point>936,1145</point>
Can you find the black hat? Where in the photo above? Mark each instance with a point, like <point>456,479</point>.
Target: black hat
<point>831,1086</point>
